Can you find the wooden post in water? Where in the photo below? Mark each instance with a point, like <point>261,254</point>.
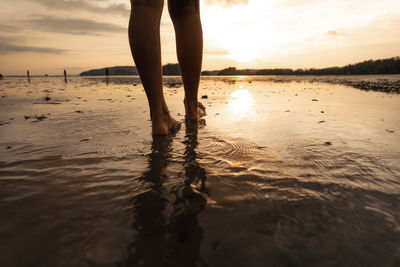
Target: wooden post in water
<point>28,75</point>
<point>107,74</point>
<point>65,76</point>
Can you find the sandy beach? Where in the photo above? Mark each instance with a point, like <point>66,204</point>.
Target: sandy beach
<point>283,171</point>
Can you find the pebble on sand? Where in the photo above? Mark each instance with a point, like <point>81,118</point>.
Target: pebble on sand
<point>379,86</point>
<point>35,117</point>
<point>204,97</point>
<point>328,143</point>
<point>174,84</point>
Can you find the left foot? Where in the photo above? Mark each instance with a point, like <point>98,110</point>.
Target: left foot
<point>163,123</point>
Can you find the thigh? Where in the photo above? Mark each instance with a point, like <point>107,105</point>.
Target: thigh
<point>157,4</point>
<point>182,8</point>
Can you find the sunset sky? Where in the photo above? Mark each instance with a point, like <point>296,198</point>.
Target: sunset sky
<point>47,36</point>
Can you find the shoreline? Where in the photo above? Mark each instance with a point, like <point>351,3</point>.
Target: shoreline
<point>384,85</point>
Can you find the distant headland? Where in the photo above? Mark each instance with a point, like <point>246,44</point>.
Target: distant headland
<point>114,71</point>
<point>369,67</point>
<point>168,69</point>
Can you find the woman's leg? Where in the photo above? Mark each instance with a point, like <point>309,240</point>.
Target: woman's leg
<point>144,39</point>
<point>185,15</point>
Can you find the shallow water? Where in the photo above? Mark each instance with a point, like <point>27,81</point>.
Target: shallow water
<point>282,172</point>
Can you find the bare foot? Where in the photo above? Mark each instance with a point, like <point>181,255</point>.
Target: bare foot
<point>163,123</point>
<point>201,110</point>
<point>194,112</point>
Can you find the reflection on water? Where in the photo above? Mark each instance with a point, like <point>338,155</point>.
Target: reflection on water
<point>241,103</point>
<point>290,172</point>
<point>168,231</point>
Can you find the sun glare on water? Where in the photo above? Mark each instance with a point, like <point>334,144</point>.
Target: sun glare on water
<point>241,104</point>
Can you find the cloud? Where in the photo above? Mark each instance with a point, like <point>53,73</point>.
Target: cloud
<point>332,33</point>
<point>216,52</point>
<point>85,5</point>
<point>296,2</point>
<point>13,44</point>
<point>25,48</point>
<point>226,3</point>
<point>72,26</point>
<point>8,28</point>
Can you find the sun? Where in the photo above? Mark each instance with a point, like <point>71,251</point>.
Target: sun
<point>241,54</point>
<point>241,43</point>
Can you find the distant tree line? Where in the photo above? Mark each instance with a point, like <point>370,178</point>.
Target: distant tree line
<point>230,71</point>
<point>171,70</point>
<point>381,66</point>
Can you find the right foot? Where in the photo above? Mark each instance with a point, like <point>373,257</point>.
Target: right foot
<point>195,112</point>
<point>163,123</point>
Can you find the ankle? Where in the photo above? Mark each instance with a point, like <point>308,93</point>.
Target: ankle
<point>160,116</point>
<point>190,105</point>
<point>159,111</point>
<point>191,114</point>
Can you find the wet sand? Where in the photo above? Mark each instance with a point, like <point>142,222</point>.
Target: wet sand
<point>285,171</point>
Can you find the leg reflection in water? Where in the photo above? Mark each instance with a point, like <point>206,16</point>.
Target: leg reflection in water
<point>168,231</point>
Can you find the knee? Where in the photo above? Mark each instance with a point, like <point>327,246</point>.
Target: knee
<point>182,8</point>
<point>155,4</point>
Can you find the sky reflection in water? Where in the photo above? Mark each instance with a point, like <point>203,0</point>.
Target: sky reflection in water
<point>273,178</point>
